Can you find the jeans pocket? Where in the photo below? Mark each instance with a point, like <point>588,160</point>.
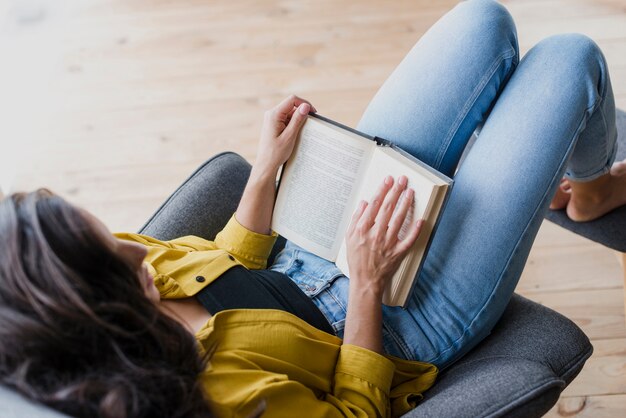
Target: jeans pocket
<point>310,285</point>
<point>311,273</point>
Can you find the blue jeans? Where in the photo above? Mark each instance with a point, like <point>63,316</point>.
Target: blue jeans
<point>548,116</point>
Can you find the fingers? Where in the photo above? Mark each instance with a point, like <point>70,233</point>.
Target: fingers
<point>390,202</point>
<point>356,216</point>
<point>369,217</point>
<point>380,212</point>
<point>297,120</point>
<point>405,244</point>
<point>398,219</point>
<point>284,109</point>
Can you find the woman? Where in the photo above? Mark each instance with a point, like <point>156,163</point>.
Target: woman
<point>96,325</point>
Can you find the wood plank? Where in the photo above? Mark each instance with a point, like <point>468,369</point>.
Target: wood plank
<point>609,406</point>
<point>598,312</point>
<point>551,235</point>
<point>133,192</point>
<point>525,10</point>
<point>563,268</point>
<point>604,373</point>
<point>608,27</point>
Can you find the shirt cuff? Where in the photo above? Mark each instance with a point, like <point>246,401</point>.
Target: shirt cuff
<point>250,247</point>
<point>366,365</point>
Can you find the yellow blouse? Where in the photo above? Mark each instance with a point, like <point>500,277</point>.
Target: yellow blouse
<point>274,357</point>
<point>184,266</point>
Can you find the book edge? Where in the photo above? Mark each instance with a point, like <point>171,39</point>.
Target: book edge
<point>399,301</point>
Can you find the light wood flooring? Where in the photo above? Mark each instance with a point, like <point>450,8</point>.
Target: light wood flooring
<point>113,103</point>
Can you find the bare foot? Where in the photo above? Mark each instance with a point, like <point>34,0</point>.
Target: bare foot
<point>591,200</point>
<point>619,168</point>
<point>562,196</point>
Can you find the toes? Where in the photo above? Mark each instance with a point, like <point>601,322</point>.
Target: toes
<point>618,168</point>
<point>562,196</point>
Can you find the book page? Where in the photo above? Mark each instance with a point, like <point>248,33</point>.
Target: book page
<point>382,164</point>
<point>318,187</point>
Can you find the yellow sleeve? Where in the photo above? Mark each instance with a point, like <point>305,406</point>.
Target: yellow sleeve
<point>176,264</point>
<point>250,248</point>
<point>363,379</point>
<point>236,386</point>
<point>410,381</point>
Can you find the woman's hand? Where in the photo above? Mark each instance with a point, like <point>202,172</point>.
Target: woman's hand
<point>280,129</point>
<point>374,254</point>
<point>373,248</point>
<point>278,137</point>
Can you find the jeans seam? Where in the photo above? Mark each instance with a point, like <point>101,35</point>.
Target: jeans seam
<point>471,101</point>
<point>610,156</point>
<point>328,312</point>
<point>400,343</point>
<point>591,175</point>
<point>337,300</point>
<point>515,249</point>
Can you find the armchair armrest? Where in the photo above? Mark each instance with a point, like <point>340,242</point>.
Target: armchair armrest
<point>532,354</point>
<point>209,196</point>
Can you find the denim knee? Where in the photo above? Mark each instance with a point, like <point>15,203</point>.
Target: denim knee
<point>581,50</point>
<point>579,69</point>
<point>573,60</point>
<point>492,23</point>
<point>490,9</point>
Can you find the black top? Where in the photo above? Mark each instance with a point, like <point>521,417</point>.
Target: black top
<point>240,288</point>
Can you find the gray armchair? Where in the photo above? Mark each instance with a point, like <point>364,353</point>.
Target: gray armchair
<point>532,354</point>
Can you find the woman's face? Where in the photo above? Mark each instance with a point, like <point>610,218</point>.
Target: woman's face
<point>132,253</point>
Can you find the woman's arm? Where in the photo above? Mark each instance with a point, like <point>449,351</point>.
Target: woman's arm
<point>278,135</point>
<point>374,255</point>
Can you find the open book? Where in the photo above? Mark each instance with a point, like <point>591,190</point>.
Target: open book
<point>332,168</point>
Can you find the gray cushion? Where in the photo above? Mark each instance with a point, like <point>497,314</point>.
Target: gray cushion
<point>609,230</point>
<point>532,354</point>
<point>203,204</point>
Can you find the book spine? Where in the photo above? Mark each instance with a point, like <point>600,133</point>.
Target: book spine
<point>420,163</point>
<point>381,142</point>
<point>347,128</point>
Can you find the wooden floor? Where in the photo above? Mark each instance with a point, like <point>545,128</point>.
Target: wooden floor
<point>113,103</point>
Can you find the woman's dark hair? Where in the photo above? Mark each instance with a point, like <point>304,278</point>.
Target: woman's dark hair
<point>76,331</point>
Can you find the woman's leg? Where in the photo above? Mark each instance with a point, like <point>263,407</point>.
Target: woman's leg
<point>446,85</point>
<point>429,106</point>
<point>559,99</point>
<point>560,94</point>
